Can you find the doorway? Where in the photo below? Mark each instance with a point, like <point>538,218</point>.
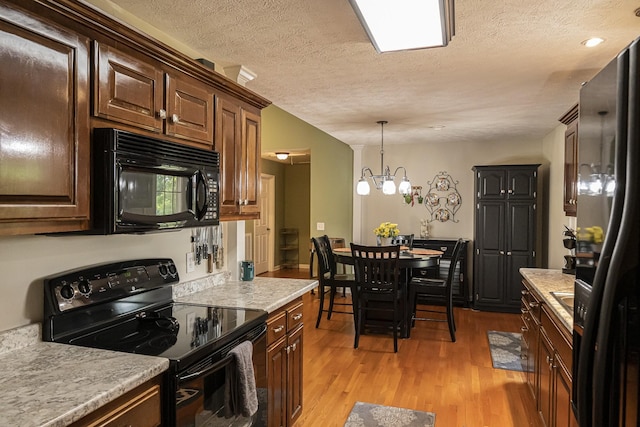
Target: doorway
<point>263,240</point>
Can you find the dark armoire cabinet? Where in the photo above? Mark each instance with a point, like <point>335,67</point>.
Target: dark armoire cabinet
<point>506,220</point>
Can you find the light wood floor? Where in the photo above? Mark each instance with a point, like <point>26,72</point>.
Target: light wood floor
<point>456,381</point>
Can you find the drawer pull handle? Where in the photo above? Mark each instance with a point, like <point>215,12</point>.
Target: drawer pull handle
<point>443,248</point>
<point>278,329</point>
<point>533,304</point>
<point>297,316</point>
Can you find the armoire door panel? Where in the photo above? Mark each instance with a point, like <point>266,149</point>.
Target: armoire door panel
<point>491,219</point>
<point>522,221</point>
<point>522,184</point>
<point>492,184</point>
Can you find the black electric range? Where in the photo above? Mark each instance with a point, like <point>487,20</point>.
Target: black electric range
<point>127,306</point>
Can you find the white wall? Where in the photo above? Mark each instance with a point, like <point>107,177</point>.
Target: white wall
<point>423,162</point>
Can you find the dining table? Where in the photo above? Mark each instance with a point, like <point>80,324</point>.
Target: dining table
<point>409,259</point>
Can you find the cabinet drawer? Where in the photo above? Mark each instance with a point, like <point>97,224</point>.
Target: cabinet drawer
<point>294,317</point>
<point>276,327</point>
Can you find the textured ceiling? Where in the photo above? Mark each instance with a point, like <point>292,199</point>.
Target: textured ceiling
<point>511,70</point>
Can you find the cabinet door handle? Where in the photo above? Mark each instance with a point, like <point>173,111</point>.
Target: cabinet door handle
<point>501,191</point>
<point>509,253</point>
<point>501,252</point>
<point>278,329</point>
<point>533,304</point>
<point>443,248</point>
<point>297,316</point>
<point>293,347</point>
<point>175,118</point>
<point>523,329</point>
<point>510,191</point>
<point>162,114</point>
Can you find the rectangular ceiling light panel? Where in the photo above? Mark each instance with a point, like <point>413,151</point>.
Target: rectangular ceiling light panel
<point>406,24</point>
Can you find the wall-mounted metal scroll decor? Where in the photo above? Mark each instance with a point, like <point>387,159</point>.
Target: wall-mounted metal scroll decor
<point>442,199</point>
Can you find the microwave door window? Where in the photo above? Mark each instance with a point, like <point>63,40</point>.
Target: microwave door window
<point>154,196</point>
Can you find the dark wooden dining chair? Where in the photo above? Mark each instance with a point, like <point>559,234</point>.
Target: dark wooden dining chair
<point>435,292</point>
<point>378,291</point>
<point>329,280</point>
<point>403,239</point>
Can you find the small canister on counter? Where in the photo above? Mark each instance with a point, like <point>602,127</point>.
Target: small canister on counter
<point>246,270</point>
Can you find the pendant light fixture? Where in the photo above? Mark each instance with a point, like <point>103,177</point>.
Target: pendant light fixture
<point>384,181</point>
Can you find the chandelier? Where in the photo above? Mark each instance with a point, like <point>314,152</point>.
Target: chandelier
<point>384,181</point>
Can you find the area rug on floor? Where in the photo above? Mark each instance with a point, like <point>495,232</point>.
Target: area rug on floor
<point>505,350</point>
<point>370,415</point>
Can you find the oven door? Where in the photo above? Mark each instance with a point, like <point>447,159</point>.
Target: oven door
<point>200,396</point>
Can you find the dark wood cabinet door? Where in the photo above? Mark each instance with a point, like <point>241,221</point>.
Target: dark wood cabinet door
<point>490,257</point>
<point>491,184</point>
<point>563,414</point>
<point>190,106</point>
<point>250,163</point>
<point>277,377</point>
<point>545,378</point>
<point>227,139</point>
<point>44,122</point>
<point>571,169</point>
<point>127,89</point>
<point>295,375</point>
<point>522,183</point>
<point>520,247</point>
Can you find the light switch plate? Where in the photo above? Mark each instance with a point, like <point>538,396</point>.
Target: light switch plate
<point>191,263</point>
<point>320,226</point>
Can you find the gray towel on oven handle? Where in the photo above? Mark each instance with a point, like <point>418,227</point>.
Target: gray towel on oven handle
<point>241,397</point>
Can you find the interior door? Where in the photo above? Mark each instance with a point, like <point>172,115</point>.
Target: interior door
<point>262,243</point>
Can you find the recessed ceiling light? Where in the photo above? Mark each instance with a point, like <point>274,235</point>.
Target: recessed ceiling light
<point>282,155</point>
<point>593,41</point>
<point>436,127</point>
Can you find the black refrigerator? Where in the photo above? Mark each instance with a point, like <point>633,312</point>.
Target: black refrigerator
<point>606,333</point>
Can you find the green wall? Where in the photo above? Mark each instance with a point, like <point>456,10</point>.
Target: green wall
<point>297,201</point>
<point>331,171</point>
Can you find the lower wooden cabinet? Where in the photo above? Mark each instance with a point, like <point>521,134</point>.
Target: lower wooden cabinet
<point>284,359</point>
<point>547,359</point>
<point>141,407</point>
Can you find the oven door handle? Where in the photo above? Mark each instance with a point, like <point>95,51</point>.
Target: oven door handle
<point>219,364</point>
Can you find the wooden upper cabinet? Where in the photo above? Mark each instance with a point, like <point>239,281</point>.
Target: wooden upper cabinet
<point>238,141</point>
<point>44,125</point>
<point>570,194</point>
<point>189,108</point>
<point>250,167</point>
<point>128,90</point>
<point>132,90</point>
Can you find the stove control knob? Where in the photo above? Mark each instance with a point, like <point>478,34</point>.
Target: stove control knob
<point>66,291</point>
<point>84,286</point>
<point>172,269</point>
<point>163,270</point>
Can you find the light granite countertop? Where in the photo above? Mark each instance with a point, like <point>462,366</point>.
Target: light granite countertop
<point>264,293</point>
<point>50,384</point>
<point>546,281</point>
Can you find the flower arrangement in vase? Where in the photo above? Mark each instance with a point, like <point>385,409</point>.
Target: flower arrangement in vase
<point>385,231</point>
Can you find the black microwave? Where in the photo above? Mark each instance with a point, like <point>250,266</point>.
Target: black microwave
<point>143,184</point>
